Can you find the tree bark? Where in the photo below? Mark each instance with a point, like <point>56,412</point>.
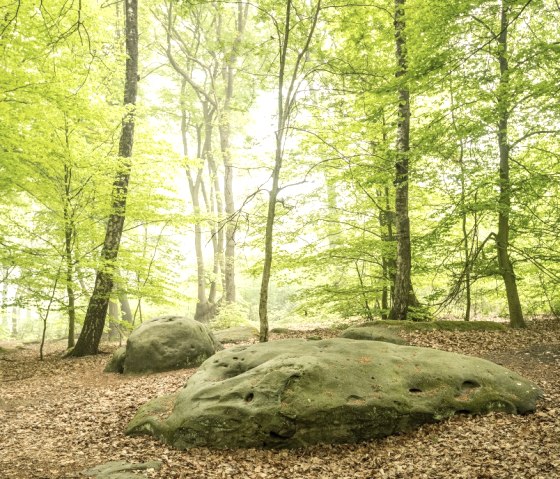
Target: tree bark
<point>69,235</point>
<point>404,293</point>
<point>388,263</point>
<point>88,342</point>
<point>504,201</point>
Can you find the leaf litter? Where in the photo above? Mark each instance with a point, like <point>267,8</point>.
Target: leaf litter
<point>60,417</point>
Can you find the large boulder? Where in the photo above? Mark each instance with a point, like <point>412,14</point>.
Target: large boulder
<point>293,393</point>
<point>164,344</point>
<point>372,333</point>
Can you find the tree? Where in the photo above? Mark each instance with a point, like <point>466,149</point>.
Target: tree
<point>291,72</point>
<point>88,342</point>
<point>404,297</point>
<point>504,200</point>
<point>203,44</point>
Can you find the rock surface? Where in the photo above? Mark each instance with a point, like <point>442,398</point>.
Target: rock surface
<point>116,363</point>
<point>294,393</point>
<point>164,344</point>
<point>121,470</point>
<point>238,334</point>
<point>373,333</point>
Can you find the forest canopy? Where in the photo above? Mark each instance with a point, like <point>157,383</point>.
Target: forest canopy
<point>280,161</point>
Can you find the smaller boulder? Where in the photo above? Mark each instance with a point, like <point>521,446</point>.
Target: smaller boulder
<point>236,335</point>
<point>121,470</point>
<point>116,364</point>
<point>372,333</point>
<point>165,344</point>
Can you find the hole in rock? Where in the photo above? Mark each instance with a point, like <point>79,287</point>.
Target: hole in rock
<point>249,397</point>
<point>414,390</point>
<point>469,385</point>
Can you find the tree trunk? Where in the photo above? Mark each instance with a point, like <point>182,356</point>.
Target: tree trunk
<point>15,314</point>
<point>467,266</point>
<point>113,315</point>
<point>126,310</point>
<point>504,202</point>
<point>404,293</point>
<point>228,75</point>
<point>69,232</point>
<point>388,263</point>
<point>203,311</point>
<point>88,342</point>
<point>285,104</point>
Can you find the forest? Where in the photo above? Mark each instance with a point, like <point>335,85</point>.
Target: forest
<point>307,161</point>
<point>293,167</point>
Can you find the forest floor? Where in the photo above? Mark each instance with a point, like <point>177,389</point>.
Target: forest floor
<point>61,416</point>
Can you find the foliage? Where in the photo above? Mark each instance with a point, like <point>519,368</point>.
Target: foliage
<point>334,242</point>
<point>230,315</point>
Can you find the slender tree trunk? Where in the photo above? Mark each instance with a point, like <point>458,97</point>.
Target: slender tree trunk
<point>388,263</point>
<point>202,312</point>
<point>46,317</point>
<point>388,260</point>
<point>70,286</point>
<point>273,195</point>
<point>267,266</point>
<point>504,201</point>
<point>15,314</point>
<point>69,232</point>
<point>214,208</point>
<point>88,342</point>
<point>466,252</point>
<point>467,266</point>
<point>126,310</point>
<point>285,105</point>
<point>113,315</point>
<point>404,293</point>
<point>228,75</point>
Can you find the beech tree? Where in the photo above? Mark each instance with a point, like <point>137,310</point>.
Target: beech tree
<point>88,342</point>
<point>294,34</point>
<point>404,297</point>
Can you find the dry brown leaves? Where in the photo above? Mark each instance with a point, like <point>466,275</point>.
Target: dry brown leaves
<point>60,417</point>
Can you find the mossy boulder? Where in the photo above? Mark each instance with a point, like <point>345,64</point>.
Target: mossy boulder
<point>237,334</point>
<point>165,344</point>
<point>294,393</point>
<point>373,333</point>
<point>439,325</point>
<point>116,363</point>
